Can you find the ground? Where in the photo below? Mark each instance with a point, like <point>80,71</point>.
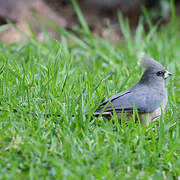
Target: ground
<point>40,80</point>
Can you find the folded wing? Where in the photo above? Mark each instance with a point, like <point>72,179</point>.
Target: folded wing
<point>141,98</point>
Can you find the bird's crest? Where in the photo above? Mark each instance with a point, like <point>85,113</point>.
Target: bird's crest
<point>149,63</point>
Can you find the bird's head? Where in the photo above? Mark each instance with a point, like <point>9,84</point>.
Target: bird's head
<point>154,73</point>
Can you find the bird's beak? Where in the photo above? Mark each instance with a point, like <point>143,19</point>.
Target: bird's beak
<point>167,74</point>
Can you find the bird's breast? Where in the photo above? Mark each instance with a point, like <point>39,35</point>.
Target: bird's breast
<point>165,99</point>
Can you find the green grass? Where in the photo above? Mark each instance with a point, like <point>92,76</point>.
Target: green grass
<point>72,79</point>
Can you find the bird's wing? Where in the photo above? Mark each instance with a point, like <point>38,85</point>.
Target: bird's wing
<point>112,98</point>
<point>141,98</point>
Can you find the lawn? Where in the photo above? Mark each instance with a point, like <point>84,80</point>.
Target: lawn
<point>40,80</point>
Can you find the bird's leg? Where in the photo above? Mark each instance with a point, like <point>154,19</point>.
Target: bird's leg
<point>145,118</point>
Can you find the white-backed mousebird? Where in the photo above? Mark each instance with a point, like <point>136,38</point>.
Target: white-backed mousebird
<point>149,96</point>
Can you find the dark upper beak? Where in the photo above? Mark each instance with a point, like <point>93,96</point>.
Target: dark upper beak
<point>167,74</point>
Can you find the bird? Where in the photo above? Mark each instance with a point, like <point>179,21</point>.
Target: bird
<point>148,97</point>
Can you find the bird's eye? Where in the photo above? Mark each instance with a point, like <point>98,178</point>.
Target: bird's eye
<point>159,73</point>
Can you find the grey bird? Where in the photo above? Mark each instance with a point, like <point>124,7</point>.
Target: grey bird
<point>149,96</point>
